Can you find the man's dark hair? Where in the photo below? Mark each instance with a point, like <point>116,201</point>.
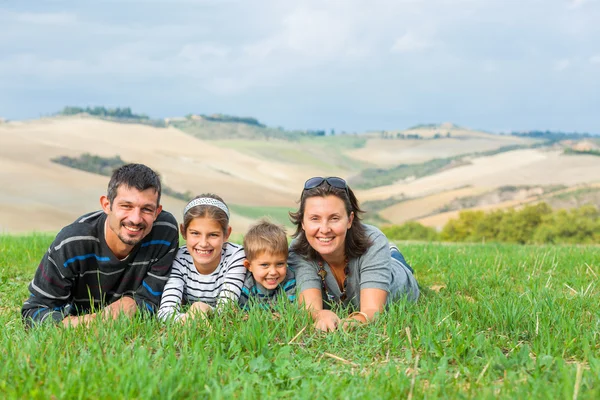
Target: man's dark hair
<point>136,176</point>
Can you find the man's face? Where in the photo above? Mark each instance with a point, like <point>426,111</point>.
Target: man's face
<point>130,216</point>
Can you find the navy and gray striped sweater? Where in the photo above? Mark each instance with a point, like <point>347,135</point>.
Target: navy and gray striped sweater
<point>79,274</point>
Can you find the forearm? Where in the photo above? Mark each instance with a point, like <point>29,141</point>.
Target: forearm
<point>372,302</point>
<point>311,300</point>
<point>40,314</point>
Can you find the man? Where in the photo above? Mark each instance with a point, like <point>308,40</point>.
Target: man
<point>108,262</point>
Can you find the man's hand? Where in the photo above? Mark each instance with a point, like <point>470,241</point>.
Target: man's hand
<point>72,321</point>
<point>125,305</point>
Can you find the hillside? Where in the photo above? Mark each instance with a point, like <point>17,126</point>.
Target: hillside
<point>260,175</point>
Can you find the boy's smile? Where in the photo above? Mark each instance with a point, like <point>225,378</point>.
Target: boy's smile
<point>268,269</point>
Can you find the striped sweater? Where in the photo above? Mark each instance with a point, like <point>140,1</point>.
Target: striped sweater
<point>186,285</point>
<point>79,273</point>
<point>255,293</point>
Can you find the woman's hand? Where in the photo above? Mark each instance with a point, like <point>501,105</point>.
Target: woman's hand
<point>326,320</point>
<point>354,320</point>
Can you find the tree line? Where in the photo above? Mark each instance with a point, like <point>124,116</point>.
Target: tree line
<point>533,224</point>
<point>100,111</point>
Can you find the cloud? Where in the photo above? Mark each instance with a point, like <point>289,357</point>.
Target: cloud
<point>202,51</point>
<point>562,65</point>
<point>595,59</point>
<point>490,66</point>
<point>577,3</point>
<point>410,42</point>
<point>46,18</point>
<point>311,33</point>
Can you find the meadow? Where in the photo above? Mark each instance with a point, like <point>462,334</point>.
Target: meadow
<point>493,321</point>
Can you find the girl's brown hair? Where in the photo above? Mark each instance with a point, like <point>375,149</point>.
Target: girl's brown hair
<point>207,211</point>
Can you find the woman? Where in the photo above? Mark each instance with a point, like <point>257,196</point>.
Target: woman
<point>338,259</point>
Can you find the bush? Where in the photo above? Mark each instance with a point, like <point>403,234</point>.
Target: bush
<point>410,231</point>
<point>532,224</point>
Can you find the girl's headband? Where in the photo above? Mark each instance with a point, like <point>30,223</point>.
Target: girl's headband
<point>206,201</point>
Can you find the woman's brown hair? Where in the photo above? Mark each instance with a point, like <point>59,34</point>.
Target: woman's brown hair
<point>357,241</point>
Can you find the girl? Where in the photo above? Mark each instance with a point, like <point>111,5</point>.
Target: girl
<point>208,272</point>
<point>338,259</point>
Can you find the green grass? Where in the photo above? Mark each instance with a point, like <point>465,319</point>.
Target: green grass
<point>493,321</point>
<point>319,152</point>
<point>276,214</point>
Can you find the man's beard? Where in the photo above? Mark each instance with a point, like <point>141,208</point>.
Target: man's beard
<point>127,240</point>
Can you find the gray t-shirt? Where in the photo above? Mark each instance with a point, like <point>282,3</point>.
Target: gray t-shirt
<point>376,269</point>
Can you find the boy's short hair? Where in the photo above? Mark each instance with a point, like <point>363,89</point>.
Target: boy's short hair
<point>265,236</point>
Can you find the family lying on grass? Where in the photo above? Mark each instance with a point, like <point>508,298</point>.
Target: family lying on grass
<point>126,258</point>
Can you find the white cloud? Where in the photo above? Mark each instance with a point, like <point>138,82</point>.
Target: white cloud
<point>202,51</point>
<point>410,42</point>
<point>311,33</point>
<point>490,66</point>
<point>562,65</point>
<point>46,18</point>
<point>595,59</point>
<point>577,3</point>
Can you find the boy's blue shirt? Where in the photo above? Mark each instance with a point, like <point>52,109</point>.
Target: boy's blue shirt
<point>254,292</point>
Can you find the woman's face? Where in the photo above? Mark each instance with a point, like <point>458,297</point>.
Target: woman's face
<point>325,224</point>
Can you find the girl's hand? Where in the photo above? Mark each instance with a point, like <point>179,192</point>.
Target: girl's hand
<point>326,320</point>
<point>199,307</point>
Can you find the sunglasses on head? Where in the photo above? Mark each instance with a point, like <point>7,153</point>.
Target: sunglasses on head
<point>333,181</point>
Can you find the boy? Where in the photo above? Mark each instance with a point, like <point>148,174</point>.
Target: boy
<point>266,250</point>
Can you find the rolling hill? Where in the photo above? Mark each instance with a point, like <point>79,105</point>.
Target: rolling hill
<point>260,170</point>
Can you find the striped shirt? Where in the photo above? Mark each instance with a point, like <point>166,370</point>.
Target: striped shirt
<point>255,293</point>
<point>186,285</point>
<point>79,273</point>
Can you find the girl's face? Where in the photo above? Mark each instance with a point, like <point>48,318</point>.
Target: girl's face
<point>204,240</point>
<point>325,224</point>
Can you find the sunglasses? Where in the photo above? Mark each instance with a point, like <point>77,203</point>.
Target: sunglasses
<point>333,181</point>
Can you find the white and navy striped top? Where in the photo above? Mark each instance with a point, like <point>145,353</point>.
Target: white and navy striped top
<point>186,285</point>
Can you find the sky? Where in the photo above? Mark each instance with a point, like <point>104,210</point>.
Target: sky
<point>347,65</point>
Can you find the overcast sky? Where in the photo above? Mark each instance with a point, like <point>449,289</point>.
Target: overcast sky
<point>349,65</point>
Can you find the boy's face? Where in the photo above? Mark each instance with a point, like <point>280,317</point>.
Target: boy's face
<point>268,269</point>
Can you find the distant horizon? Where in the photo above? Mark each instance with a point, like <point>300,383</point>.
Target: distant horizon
<point>327,131</point>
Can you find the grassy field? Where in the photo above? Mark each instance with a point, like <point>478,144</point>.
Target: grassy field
<point>324,152</point>
<point>276,214</point>
<point>493,321</point>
